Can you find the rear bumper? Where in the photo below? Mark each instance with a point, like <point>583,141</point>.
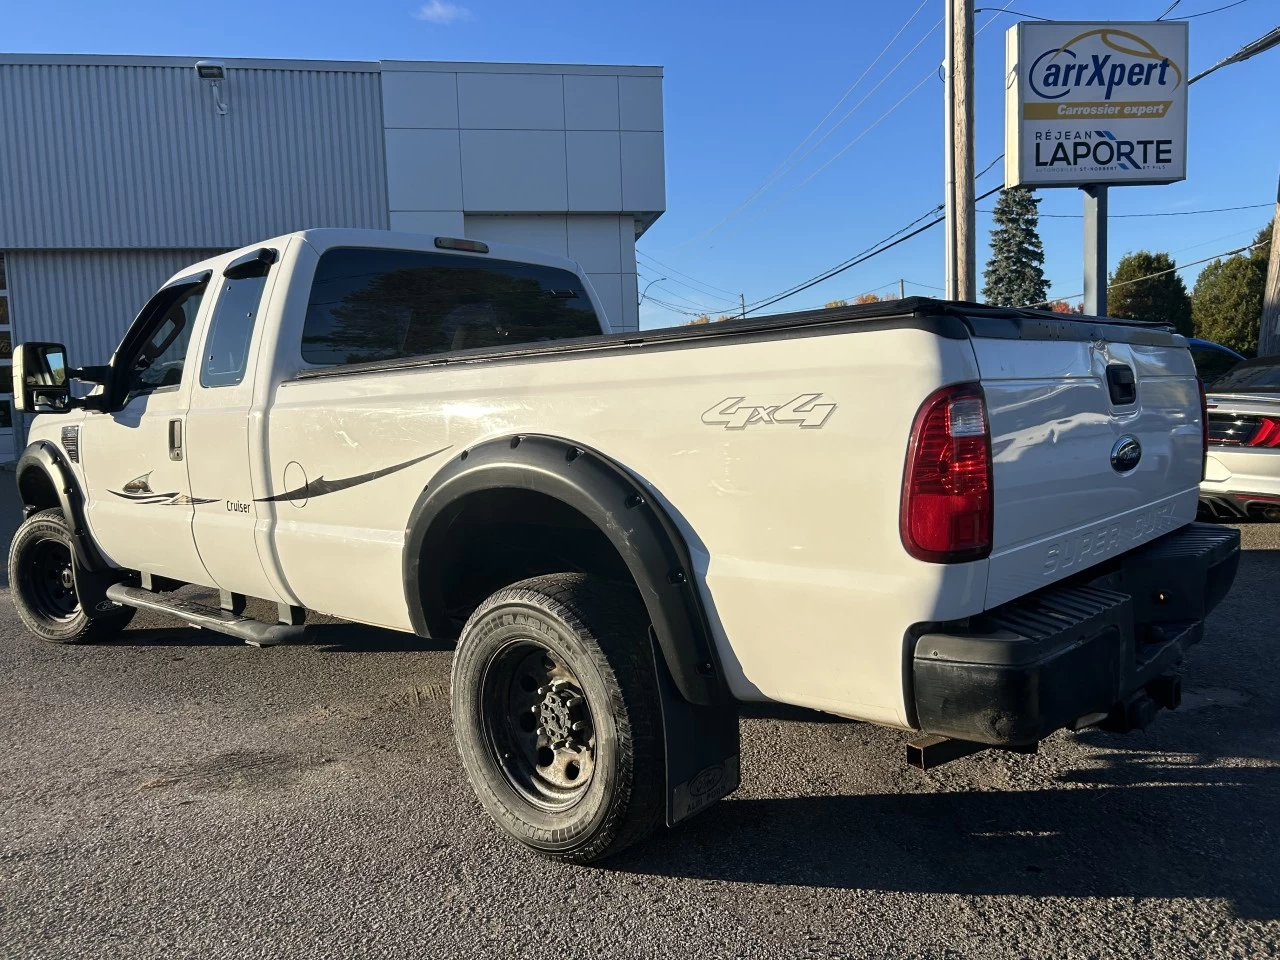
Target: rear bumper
<point>1075,653</point>
<point>1241,483</point>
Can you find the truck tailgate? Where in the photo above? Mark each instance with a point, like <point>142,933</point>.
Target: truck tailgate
<point>1068,492</point>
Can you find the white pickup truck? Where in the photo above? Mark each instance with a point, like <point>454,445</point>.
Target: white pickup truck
<point>970,523</point>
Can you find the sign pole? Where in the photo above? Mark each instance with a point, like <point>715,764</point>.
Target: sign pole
<point>1095,250</point>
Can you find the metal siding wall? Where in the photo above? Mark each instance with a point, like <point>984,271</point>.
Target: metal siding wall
<point>86,299</point>
<point>116,156</point>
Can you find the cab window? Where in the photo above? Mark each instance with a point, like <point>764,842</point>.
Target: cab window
<point>226,351</point>
<point>371,304</point>
<point>157,363</point>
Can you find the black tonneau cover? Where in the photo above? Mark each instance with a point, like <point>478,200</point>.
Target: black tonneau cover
<point>955,320</point>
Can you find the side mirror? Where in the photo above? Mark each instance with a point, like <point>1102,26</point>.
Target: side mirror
<point>40,378</point>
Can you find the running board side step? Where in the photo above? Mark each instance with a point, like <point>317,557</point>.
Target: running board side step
<point>251,631</point>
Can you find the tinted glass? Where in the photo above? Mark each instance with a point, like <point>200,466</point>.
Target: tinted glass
<point>1250,376</point>
<point>226,351</point>
<point>1211,364</point>
<point>159,362</point>
<point>384,304</point>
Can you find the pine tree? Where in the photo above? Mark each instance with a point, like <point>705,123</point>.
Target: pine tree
<point>1015,272</point>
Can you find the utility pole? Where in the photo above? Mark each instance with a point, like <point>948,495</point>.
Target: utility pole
<point>902,289</point>
<point>742,299</point>
<point>949,145</point>
<point>966,214</point>
<point>1269,331</point>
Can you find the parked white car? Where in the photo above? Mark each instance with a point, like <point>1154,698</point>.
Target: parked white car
<point>966,522</point>
<point>1242,474</point>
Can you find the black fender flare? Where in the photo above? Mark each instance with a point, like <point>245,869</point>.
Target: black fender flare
<point>93,574</point>
<point>43,456</point>
<point>608,495</point>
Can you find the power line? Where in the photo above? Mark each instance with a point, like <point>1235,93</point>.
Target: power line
<point>1169,213</point>
<point>932,212</point>
<point>1205,13</point>
<point>845,149</point>
<point>980,173</point>
<point>778,171</point>
<point>1263,43</point>
<point>836,126</point>
<point>693,303</point>
<point>640,273</point>
<point>1160,273</point>
<point>655,260</point>
<point>875,252</point>
<point>1016,13</point>
<point>883,116</point>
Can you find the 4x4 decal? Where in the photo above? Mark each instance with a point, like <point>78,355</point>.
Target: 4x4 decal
<point>734,414</point>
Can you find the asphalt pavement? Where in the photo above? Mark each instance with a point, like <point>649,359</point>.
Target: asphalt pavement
<point>177,794</point>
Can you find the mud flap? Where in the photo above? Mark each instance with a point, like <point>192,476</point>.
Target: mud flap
<point>701,747</point>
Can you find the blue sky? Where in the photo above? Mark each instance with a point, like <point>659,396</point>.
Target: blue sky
<point>745,82</point>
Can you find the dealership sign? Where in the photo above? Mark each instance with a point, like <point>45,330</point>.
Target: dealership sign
<point>1095,103</point>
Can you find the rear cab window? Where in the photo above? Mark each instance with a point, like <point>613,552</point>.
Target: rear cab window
<point>371,304</point>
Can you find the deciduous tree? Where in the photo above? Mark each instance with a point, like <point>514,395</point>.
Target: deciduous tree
<point>1146,286</point>
<point>1226,303</point>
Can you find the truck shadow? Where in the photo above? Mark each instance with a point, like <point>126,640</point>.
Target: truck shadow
<point>335,637</point>
<point>1202,832</point>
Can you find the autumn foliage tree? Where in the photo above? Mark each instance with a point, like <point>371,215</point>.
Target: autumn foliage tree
<point>867,298</point>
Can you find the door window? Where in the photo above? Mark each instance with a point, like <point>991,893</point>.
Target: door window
<point>158,363</point>
<point>226,352</point>
<point>369,304</point>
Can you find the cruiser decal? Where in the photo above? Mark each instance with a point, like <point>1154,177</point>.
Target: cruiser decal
<point>320,486</point>
<point>139,491</point>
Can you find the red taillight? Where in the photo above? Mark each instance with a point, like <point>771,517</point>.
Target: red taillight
<point>947,489</point>
<point>1267,435</point>
<point>1204,430</point>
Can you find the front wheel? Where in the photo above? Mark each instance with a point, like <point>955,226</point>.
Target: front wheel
<point>43,584</point>
<point>557,716</point>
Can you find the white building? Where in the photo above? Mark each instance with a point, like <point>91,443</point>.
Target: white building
<point>117,171</point>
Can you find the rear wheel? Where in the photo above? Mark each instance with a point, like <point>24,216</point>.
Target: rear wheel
<point>557,717</point>
<point>43,584</point>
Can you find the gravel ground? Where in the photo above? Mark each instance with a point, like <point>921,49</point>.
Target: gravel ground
<point>176,794</point>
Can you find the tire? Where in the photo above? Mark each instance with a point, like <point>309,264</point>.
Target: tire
<point>42,589</point>
<point>576,650</point>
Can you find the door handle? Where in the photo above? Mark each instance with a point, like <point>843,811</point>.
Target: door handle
<point>175,439</point>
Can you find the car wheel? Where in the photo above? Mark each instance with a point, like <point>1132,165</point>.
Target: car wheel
<point>43,587</point>
<point>557,716</point>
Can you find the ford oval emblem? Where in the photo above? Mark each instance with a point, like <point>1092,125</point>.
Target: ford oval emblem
<point>1125,454</point>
